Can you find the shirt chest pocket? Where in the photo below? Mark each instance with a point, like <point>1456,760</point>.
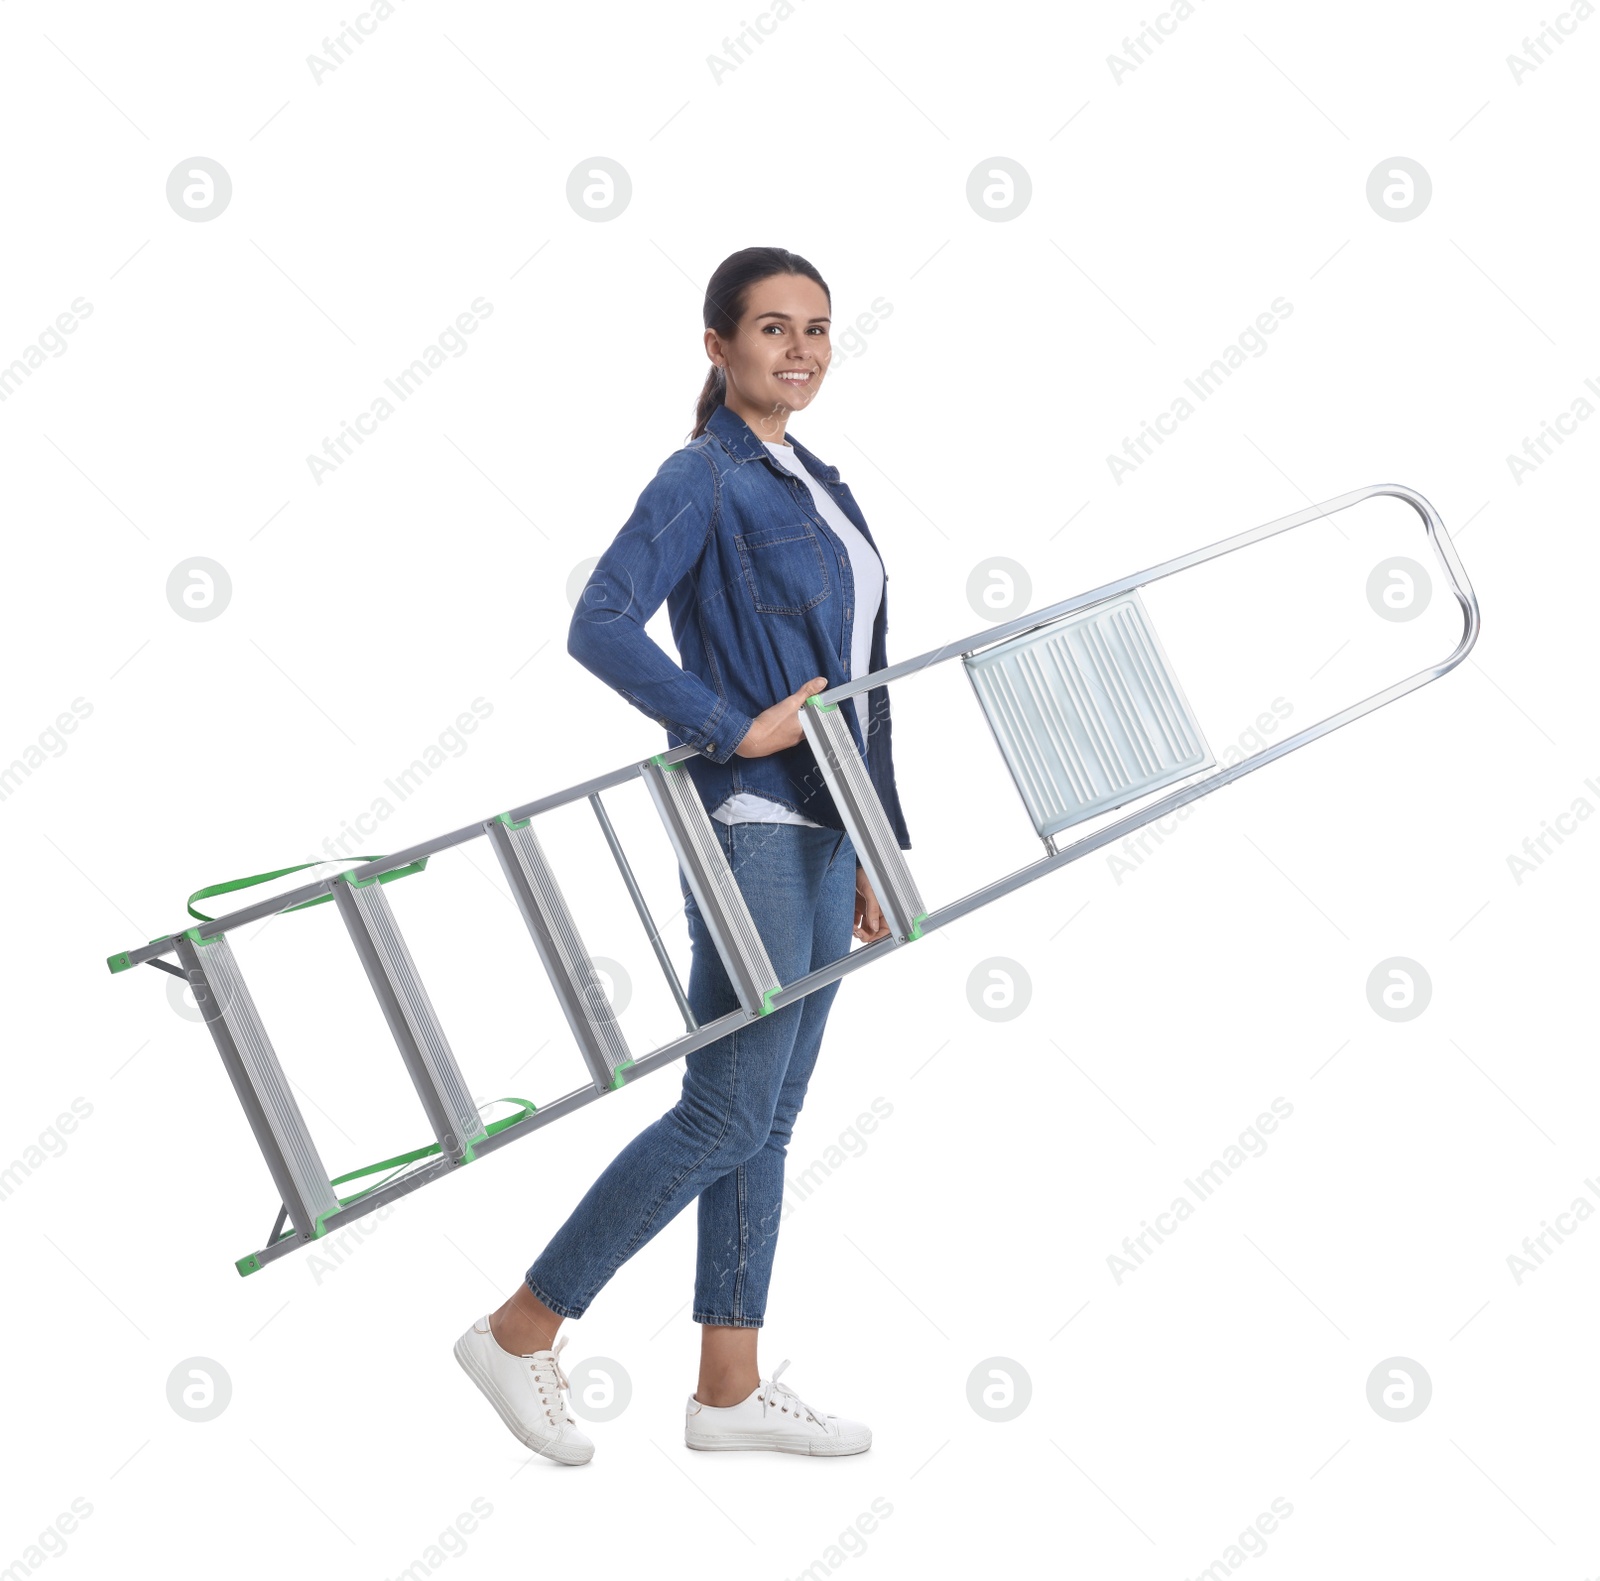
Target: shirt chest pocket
<point>784,568</point>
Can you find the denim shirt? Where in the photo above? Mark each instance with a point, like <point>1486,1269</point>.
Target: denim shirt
<point>761,598</point>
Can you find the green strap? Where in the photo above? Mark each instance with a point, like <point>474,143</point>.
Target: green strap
<point>403,1159</point>
<point>262,878</point>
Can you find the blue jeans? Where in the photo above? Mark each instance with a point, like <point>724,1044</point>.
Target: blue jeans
<point>726,1138</point>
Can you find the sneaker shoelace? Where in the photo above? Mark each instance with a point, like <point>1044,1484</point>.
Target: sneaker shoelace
<point>782,1396</point>
<point>550,1377</point>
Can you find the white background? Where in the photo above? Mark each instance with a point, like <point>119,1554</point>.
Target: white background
<point>1169,1002</point>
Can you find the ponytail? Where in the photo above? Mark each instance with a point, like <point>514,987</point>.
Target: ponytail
<point>712,393</point>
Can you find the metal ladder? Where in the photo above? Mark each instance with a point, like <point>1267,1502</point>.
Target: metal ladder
<point>1082,703</point>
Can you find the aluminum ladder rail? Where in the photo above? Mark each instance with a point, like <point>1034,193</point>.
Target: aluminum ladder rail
<point>1082,703</point>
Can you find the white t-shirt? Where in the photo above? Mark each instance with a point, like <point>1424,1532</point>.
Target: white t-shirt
<point>867,571</point>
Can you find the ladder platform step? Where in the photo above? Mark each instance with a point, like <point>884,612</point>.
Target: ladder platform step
<point>1087,713</point>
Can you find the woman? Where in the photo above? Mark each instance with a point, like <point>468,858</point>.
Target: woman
<point>774,590</point>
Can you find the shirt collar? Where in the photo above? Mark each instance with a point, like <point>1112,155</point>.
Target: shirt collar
<point>741,442</point>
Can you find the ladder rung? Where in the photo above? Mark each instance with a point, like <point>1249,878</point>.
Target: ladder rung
<point>864,818</point>
<point>258,1080</point>
<point>637,896</point>
<point>711,881</point>
<point>566,961</point>
<point>408,1010</point>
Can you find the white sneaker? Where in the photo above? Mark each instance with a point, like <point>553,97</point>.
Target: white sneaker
<point>772,1416</point>
<point>527,1391</point>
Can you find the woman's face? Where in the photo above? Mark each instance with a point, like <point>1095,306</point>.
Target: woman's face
<point>776,363</point>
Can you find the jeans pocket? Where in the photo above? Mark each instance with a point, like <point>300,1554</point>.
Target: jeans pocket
<point>838,849</point>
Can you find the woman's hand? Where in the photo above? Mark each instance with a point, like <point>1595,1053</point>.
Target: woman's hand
<point>870,926</point>
<point>779,726</point>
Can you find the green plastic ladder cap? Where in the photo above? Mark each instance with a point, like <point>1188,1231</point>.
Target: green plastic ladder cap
<point>248,1265</point>
<point>821,707</point>
<point>617,1078</point>
<point>655,757</point>
<point>118,963</point>
<point>766,998</point>
<point>916,926</point>
<point>513,823</point>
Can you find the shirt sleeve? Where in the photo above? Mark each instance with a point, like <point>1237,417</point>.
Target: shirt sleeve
<point>655,549</point>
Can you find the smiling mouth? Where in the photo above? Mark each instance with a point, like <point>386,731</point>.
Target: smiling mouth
<point>798,378</point>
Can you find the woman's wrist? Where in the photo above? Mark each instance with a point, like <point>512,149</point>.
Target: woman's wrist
<point>739,734</point>
<point>752,745</point>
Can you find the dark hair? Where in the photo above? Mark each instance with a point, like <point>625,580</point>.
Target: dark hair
<point>724,307</point>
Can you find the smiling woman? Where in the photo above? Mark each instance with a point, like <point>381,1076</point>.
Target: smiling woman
<point>769,360</point>
<point>775,590</point>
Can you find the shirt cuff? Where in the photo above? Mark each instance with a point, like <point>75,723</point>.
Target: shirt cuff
<point>723,730</point>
